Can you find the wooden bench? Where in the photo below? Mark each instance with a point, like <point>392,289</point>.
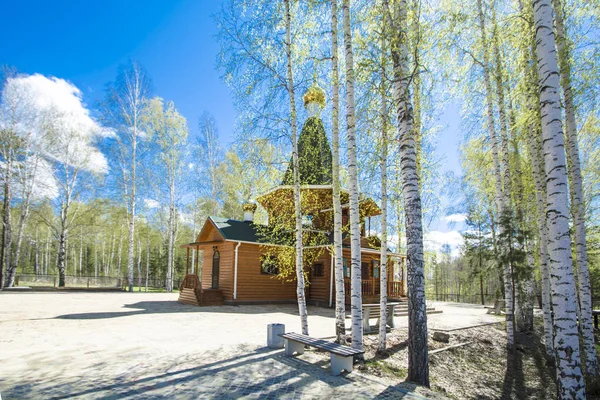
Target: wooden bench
<point>342,357</point>
<point>368,309</point>
<point>497,309</point>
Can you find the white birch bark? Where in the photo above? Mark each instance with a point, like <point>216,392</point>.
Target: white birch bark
<point>119,253</point>
<point>566,338</point>
<point>171,234</point>
<point>381,346</point>
<point>356,281</point>
<point>340,295</point>
<point>418,358</point>
<point>147,259</point>
<point>139,265</point>
<point>538,171</point>
<point>132,202</point>
<point>300,292</point>
<point>499,197</point>
<point>586,327</point>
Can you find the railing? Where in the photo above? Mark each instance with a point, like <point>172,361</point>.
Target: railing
<point>190,282</point>
<point>395,289</point>
<point>372,287</point>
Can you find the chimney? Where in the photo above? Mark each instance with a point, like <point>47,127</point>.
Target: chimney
<point>249,208</point>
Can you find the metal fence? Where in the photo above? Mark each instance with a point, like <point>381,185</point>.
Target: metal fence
<point>153,283</point>
<point>89,281</point>
<point>70,281</point>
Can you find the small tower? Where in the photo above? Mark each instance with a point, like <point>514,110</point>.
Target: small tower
<point>249,208</point>
<point>314,151</point>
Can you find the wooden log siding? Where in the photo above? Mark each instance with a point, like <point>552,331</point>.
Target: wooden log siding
<point>252,285</point>
<point>225,267</point>
<point>318,288</point>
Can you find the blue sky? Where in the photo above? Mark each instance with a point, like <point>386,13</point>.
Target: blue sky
<point>85,41</point>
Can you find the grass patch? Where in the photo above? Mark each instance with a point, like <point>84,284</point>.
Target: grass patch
<point>387,368</point>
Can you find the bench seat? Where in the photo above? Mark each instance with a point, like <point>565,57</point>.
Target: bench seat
<point>342,357</point>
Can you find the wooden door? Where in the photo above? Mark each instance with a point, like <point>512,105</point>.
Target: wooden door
<point>215,269</point>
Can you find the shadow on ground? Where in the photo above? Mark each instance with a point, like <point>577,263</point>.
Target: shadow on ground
<point>173,307</point>
<point>265,373</point>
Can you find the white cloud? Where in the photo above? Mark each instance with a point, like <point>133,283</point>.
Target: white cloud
<point>150,203</point>
<point>186,218</point>
<point>50,114</point>
<point>33,177</point>
<point>434,241</point>
<point>455,218</point>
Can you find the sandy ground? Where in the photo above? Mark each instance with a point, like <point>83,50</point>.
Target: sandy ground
<point>62,344</point>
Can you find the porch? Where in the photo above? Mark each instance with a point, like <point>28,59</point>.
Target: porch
<point>371,290</point>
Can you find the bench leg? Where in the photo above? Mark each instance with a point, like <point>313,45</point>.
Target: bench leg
<point>366,326</point>
<point>341,363</point>
<point>292,347</point>
<point>390,317</point>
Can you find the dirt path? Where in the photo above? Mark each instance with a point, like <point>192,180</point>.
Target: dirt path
<point>123,345</point>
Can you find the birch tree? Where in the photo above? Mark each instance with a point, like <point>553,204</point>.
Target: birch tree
<point>8,147</point>
<point>566,339</point>
<point>501,205</point>
<point>576,194</point>
<point>418,368</point>
<point>300,293</point>
<point>384,241</point>
<point>355,279</point>
<point>340,295</point>
<point>210,157</point>
<point>169,130</point>
<point>123,108</point>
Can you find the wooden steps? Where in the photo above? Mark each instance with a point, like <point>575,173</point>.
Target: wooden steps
<point>201,297</point>
<point>188,296</point>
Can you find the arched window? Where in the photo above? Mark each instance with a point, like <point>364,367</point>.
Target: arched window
<point>215,268</point>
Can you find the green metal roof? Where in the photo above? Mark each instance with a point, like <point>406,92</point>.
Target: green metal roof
<point>237,230</point>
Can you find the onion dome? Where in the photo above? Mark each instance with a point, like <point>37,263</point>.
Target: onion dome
<point>314,100</point>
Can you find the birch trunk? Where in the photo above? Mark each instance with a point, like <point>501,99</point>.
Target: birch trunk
<point>586,327</point>
<point>538,171</point>
<point>132,208</point>
<point>340,295</point>
<point>297,205</point>
<point>147,259</point>
<point>80,249</point>
<point>356,282</point>
<point>60,264</point>
<point>139,265</point>
<point>418,358</point>
<point>5,259</point>
<point>384,242</point>
<point>96,259</point>
<point>36,267</point>
<point>499,197</point>
<point>566,338</point>
<point>171,238</point>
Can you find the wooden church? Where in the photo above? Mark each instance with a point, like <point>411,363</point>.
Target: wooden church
<point>236,262</point>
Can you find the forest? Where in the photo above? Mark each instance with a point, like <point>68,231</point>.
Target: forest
<point>112,189</point>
